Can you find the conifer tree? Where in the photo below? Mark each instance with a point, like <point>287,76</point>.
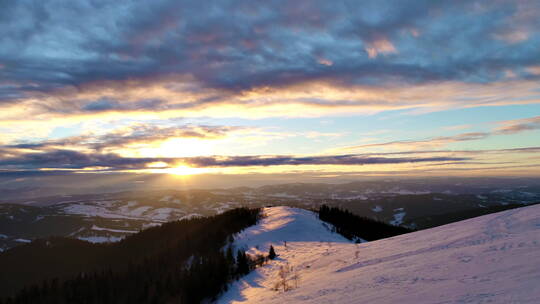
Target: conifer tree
<point>242,263</point>
<point>271,253</point>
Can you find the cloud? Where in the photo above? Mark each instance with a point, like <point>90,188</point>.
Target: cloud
<point>103,104</point>
<point>244,161</point>
<point>79,64</point>
<point>520,125</point>
<point>134,134</point>
<point>69,159</point>
<point>513,36</point>
<point>534,70</point>
<point>380,46</point>
<point>524,150</point>
<point>509,127</point>
<point>435,141</point>
<point>80,58</point>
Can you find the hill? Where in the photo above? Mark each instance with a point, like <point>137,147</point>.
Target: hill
<point>104,217</point>
<point>489,259</point>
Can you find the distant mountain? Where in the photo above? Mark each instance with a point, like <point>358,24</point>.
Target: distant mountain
<point>101,217</point>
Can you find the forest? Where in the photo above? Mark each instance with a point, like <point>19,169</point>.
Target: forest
<point>353,226</point>
<point>184,261</point>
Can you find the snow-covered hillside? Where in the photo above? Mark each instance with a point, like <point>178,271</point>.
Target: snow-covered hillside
<point>489,259</point>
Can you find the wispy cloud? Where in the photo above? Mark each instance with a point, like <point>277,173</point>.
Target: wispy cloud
<point>432,142</point>
<point>520,125</point>
<point>133,134</point>
<point>507,128</point>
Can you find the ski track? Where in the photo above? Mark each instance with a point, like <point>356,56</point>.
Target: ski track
<point>490,259</point>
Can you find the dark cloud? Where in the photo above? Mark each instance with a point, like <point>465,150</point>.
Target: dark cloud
<point>238,45</point>
<point>68,159</point>
<point>244,161</point>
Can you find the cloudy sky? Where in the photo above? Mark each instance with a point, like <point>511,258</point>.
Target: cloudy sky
<point>327,88</point>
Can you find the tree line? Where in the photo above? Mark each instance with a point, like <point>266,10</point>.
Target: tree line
<point>353,226</point>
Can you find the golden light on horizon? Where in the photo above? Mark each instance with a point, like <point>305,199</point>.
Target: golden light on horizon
<point>180,170</point>
<point>186,170</point>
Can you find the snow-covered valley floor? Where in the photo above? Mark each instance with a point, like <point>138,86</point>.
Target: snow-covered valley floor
<point>489,259</point>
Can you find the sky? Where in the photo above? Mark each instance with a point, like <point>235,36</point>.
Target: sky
<point>323,88</point>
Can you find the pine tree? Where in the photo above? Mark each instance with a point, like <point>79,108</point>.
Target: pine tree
<point>271,253</point>
<point>242,263</point>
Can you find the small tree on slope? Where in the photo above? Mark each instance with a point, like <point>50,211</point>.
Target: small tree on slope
<point>271,253</point>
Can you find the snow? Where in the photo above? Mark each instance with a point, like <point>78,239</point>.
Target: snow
<point>163,214</point>
<point>222,207</point>
<point>166,198</point>
<point>99,209</point>
<point>501,191</point>
<point>352,197</point>
<point>285,224</point>
<point>488,259</point>
<point>23,241</point>
<point>190,216</point>
<point>131,210</point>
<point>283,195</point>
<point>398,218</point>
<point>3,236</point>
<point>527,194</point>
<point>100,239</point>
<point>94,227</point>
<point>377,209</point>
<point>138,211</point>
<point>149,225</point>
<point>396,190</point>
<point>77,231</point>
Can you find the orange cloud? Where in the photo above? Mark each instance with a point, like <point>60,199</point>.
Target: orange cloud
<point>325,61</point>
<point>380,46</point>
<point>513,37</point>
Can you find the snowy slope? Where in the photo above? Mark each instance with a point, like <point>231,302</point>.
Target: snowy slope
<point>285,224</point>
<point>489,259</point>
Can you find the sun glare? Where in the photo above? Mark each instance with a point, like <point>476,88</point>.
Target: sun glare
<point>185,170</point>
<point>185,147</point>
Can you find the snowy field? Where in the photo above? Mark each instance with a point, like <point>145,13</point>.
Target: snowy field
<point>489,259</point>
